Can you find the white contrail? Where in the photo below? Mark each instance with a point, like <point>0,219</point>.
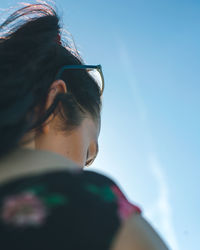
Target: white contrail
<point>161,207</point>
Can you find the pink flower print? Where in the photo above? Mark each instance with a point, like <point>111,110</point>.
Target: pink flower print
<point>125,207</point>
<point>23,209</point>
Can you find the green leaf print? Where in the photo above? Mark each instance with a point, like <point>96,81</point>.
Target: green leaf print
<point>55,199</point>
<point>104,192</point>
<point>50,199</point>
<point>36,189</point>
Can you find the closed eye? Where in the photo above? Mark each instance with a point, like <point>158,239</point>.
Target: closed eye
<point>90,161</point>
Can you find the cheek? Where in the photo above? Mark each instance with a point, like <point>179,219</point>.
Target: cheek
<point>84,145</point>
<point>76,147</point>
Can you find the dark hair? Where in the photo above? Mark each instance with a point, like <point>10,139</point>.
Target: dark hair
<point>30,57</point>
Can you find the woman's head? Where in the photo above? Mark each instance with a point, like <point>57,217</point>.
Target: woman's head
<point>63,115</point>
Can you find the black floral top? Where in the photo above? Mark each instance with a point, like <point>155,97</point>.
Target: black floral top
<point>61,210</point>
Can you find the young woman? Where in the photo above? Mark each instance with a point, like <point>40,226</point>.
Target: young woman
<point>50,105</point>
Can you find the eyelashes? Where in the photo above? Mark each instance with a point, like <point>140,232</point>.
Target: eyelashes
<point>90,161</point>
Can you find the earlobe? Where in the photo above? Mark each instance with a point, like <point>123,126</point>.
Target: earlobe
<point>45,129</point>
<point>46,125</point>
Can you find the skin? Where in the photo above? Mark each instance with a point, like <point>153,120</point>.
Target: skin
<point>137,234</point>
<point>80,145</point>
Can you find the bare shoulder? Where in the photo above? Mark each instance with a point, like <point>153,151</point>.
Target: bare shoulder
<point>137,234</point>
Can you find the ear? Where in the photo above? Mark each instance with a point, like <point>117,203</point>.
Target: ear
<point>56,87</point>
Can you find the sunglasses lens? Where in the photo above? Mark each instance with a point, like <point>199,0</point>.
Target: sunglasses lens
<point>95,74</point>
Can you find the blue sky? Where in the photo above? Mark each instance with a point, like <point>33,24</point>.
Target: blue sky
<point>150,140</point>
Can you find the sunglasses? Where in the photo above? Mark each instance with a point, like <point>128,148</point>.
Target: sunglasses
<point>95,71</point>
